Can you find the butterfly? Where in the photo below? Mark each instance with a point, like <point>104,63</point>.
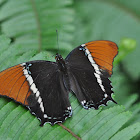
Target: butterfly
<point>44,86</point>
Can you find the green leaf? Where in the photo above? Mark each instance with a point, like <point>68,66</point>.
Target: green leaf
<point>33,23</point>
<point>4,43</point>
<point>126,46</point>
<point>18,123</point>
<point>127,133</point>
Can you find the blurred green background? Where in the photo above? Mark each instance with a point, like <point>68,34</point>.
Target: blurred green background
<point>28,32</point>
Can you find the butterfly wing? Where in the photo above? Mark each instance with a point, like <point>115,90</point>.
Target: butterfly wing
<point>90,65</point>
<point>13,84</point>
<point>39,86</point>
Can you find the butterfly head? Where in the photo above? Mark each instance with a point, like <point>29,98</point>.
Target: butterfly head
<point>61,63</point>
<point>58,58</point>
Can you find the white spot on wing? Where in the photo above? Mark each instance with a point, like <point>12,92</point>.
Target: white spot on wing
<point>39,100</point>
<point>41,106</point>
<point>98,72</point>
<point>99,81</point>
<point>23,64</point>
<point>106,95</point>
<point>45,116</point>
<point>37,94</point>
<point>96,67</point>
<point>83,45</point>
<point>33,88</point>
<point>83,102</point>
<point>102,87</point>
<point>97,75</point>
<point>69,108</point>
<point>91,59</point>
<point>87,52</point>
<point>30,80</point>
<point>25,72</point>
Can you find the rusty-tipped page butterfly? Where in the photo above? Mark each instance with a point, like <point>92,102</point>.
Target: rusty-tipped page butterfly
<point>44,86</point>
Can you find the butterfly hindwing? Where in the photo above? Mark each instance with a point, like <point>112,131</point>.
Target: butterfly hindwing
<point>87,89</point>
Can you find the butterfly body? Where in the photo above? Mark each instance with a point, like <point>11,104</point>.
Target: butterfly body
<point>44,86</point>
<point>63,69</point>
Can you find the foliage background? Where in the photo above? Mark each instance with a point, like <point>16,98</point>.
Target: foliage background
<point>28,32</point>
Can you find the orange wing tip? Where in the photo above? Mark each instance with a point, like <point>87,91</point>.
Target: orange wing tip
<point>103,53</point>
<point>13,84</point>
<point>98,42</point>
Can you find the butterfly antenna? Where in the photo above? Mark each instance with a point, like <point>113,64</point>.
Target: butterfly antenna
<point>57,42</point>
